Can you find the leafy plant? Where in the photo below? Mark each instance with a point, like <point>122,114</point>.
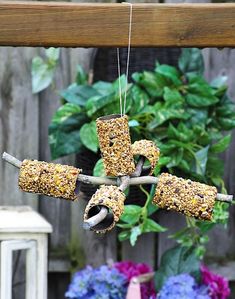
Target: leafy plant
<point>136,220</point>
<point>43,69</point>
<point>177,108</point>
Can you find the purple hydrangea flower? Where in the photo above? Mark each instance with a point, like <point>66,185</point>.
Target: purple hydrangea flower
<point>218,285</point>
<point>182,286</point>
<point>100,283</point>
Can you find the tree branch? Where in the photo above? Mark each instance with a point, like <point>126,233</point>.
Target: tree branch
<point>106,181</point>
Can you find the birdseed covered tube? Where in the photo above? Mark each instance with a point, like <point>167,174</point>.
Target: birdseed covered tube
<point>147,149</point>
<point>51,179</point>
<point>110,197</point>
<point>115,145</point>
<point>185,196</point>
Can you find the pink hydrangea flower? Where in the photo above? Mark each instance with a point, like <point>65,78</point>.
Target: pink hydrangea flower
<point>130,269</point>
<point>218,285</point>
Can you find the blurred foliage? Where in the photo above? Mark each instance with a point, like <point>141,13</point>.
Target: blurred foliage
<point>43,69</point>
<point>178,109</point>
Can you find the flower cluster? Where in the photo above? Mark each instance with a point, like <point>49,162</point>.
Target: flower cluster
<point>111,283</point>
<point>130,269</point>
<point>182,286</point>
<point>218,285</point>
<point>100,283</point>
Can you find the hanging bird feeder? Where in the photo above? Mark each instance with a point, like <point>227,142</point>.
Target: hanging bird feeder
<point>115,145</point>
<point>185,196</point>
<point>54,180</point>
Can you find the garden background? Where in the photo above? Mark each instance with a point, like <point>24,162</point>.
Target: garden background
<point>24,120</point>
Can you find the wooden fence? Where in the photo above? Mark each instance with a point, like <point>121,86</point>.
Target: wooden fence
<point>24,120</point>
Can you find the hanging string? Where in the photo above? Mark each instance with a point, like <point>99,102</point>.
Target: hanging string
<point>123,106</point>
<point>119,81</point>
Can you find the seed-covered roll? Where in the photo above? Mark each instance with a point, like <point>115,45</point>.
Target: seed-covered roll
<point>112,198</point>
<point>147,149</point>
<point>48,178</point>
<point>185,196</point>
<point>115,145</point>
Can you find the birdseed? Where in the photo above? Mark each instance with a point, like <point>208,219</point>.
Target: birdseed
<point>185,196</point>
<point>147,149</point>
<point>51,179</point>
<point>112,198</point>
<point>115,145</point>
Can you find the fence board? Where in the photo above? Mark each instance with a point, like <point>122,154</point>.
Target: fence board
<point>56,211</point>
<point>222,63</point>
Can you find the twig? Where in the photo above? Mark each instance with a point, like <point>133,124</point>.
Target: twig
<point>93,221</point>
<point>224,197</point>
<point>139,167</point>
<point>12,160</point>
<point>125,181</point>
<point>106,181</point>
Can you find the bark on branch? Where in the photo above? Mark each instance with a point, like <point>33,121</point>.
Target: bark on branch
<point>125,182</point>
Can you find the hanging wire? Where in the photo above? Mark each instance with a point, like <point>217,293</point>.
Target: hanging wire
<point>123,106</point>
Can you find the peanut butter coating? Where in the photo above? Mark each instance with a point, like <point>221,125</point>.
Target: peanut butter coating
<point>115,145</point>
<point>112,198</point>
<point>51,179</point>
<point>147,149</point>
<point>185,196</point>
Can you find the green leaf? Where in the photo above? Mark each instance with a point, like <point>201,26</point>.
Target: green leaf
<point>151,208</point>
<point>88,136</point>
<point>53,54</point>
<point>176,261</point>
<point>163,114</point>
<point>124,235</point>
<point>201,157</point>
<point>191,61</point>
<point>98,102</point>
<point>172,96</point>
<point>99,168</point>
<point>42,74</point>
<point>103,88</point>
<point>222,145</point>
<point>152,82</point>
<point>131,214</point>
<point>139,99</point>
<point>135,233</point>
<point>215,166</point>
<point>226,123</point>
<point>169,72</point>
<point>64,141</point>
<point>176,158</point>
<point>150,225</point>
<point>78,94</point>
<point>64,135</point>
<point>133,123</point>
<point>199,93</point>
<point>65,112</point>
<point>219,81</point>
<point>81,77</point>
